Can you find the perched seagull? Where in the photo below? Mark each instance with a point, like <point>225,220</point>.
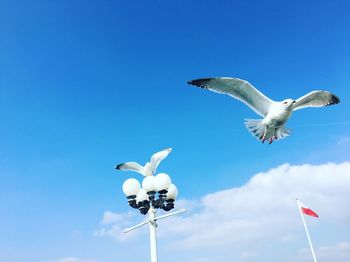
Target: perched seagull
<point>150,167</point>
<point>275,114</point>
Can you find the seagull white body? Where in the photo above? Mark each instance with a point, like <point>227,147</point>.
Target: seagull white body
<point>150,168</point>
<point>275,114</point>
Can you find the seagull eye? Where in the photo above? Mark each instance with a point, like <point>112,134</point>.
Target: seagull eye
<point>285,102</point>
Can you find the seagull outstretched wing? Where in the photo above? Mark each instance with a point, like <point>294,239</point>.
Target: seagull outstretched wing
<point>239,89</point>
<point>316,99</point>
<point>158,157</point>
<point>131,166</point>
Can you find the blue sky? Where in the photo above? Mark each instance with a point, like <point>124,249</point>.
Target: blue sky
<point>84,86</point>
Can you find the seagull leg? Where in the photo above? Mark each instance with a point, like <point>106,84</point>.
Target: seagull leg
<point>274,137</point>
<point>263,138</point>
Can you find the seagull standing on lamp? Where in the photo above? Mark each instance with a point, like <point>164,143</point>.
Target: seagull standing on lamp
<point>157,192</point>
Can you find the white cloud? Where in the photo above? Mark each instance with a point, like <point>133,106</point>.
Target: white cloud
<point>265,207</point>
<point>339,252</point>
<point>262,213</point>
<point>344,140</point>
<point>72,259</point>
<point>113,225</point>
<point>109,217</point>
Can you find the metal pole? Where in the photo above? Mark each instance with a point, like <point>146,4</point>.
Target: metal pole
<point>153,229</point>
<point>307,232</point>
<point>153,234</point>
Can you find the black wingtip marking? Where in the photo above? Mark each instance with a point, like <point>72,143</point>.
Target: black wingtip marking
<point>118,166</point>
<point>199,82</point>
<point>333,100</point>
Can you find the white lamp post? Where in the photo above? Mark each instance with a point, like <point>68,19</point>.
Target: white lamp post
<point>145,199</point>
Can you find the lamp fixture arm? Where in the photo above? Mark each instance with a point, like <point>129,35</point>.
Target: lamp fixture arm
<point>170,214</point>
<point>134,227</point>
<point>153,220</point>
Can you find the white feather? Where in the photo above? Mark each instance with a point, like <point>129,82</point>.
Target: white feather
<point>149,168</point>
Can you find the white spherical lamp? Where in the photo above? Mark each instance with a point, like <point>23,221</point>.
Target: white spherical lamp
<point>172,192</point>
<point>149,184</point>
<point>163,182</point>
<point>131,187</point>
<point>141,195</point>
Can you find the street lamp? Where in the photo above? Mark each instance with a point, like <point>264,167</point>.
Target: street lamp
<point>130,188</point>
<point>146,197</point>
<point>157,192</point>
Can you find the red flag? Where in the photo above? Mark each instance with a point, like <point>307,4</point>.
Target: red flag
<point>307,211</point>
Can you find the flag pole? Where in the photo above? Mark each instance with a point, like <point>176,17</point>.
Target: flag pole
<point>307,232</point>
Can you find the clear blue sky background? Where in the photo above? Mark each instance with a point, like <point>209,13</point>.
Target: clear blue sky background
<point>88,84</point>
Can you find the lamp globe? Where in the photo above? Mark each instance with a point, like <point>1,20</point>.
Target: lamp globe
<point>131,187</point>
<point>149,184</point>
<point>172,192</point>
<point>141,195</point>
<point>163,182</point>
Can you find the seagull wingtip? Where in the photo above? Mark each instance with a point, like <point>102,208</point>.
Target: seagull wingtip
<point>201,82</point>
<point>196,82</point>
<point>118,166</point>
<point>333,100</point>
<point>336,99</point>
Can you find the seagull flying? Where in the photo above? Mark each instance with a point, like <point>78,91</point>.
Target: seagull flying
<point>275,114</point>
<point>150,167</point>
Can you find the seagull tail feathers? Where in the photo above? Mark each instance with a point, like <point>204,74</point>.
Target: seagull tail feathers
<point>255,127</point>
<point>282,132</point>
